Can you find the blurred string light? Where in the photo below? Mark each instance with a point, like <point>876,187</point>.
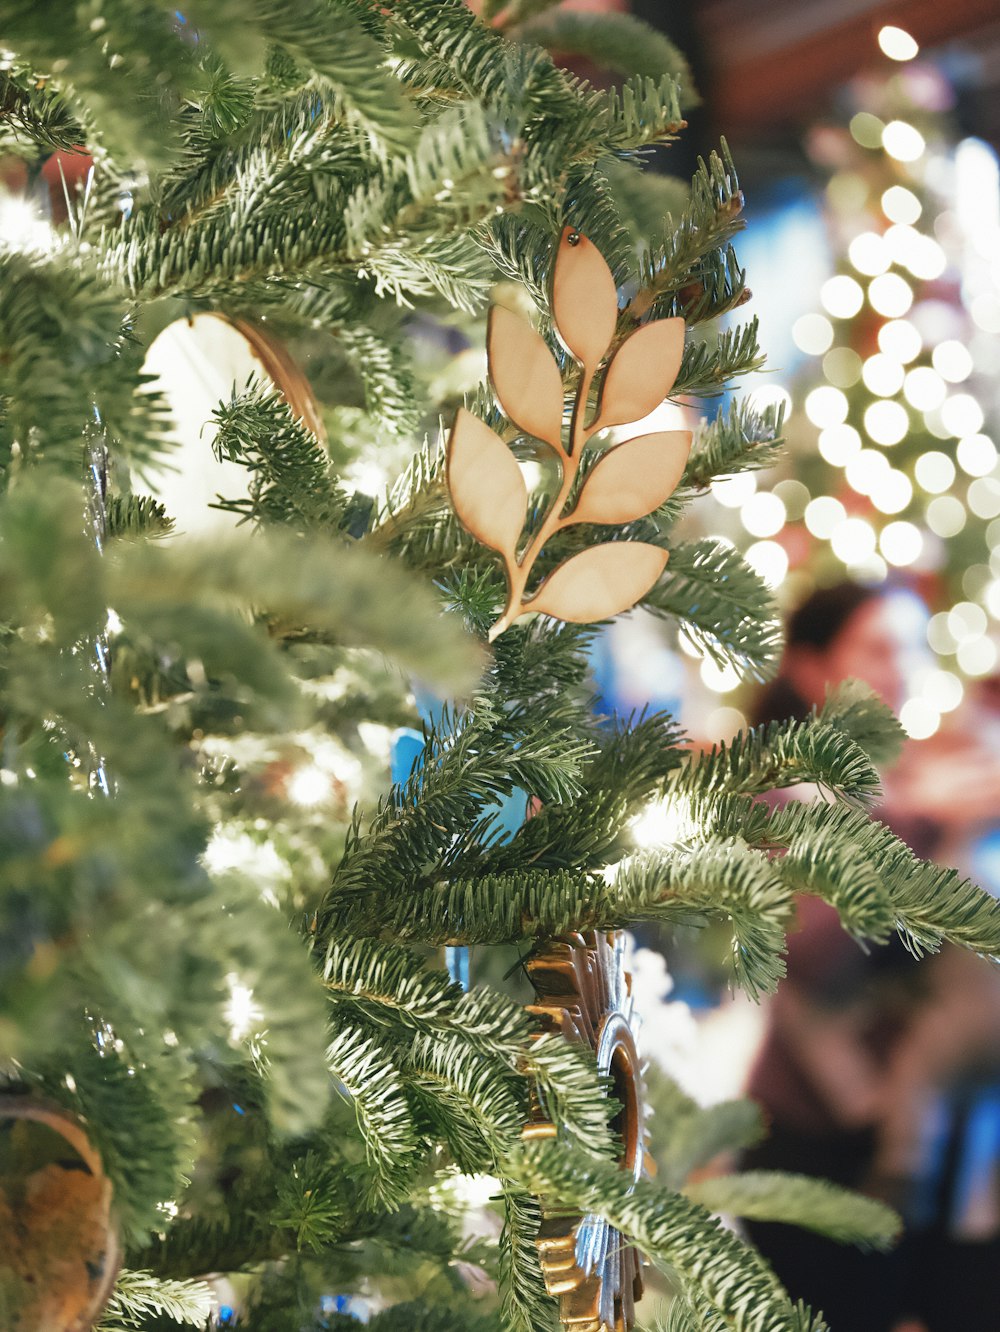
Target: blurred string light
<point>900,340</point>
<point>903,141</point>
<point>22,226</point>
<point>897,43</point>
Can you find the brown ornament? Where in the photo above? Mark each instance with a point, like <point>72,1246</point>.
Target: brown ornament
<point>59,1249</point>
<point>584,992</point>
<point>628,482</point>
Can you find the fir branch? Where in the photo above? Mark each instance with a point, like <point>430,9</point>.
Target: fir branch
<point>619,42</point>
<point>800,1200</point>
<point>669,1228</point>
<point>856,709</point>
<point>780,754</point>
<point>138,1294</point>
<point>739,439</point>
<point>525,1304</point>
<point>698,1134</point>
<point>707,369</point>
<point>724,606</point>
<point>130,517</point>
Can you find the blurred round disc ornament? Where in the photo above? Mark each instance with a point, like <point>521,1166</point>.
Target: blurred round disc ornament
<point>199,362</point>
<point>584,992</point>
<point>59,1247</point>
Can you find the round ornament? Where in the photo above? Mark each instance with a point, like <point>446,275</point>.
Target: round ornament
<point>60,1247</point>
<point>583,991</point>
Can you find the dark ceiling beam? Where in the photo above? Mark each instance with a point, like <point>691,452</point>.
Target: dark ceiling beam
<point>776,61</point>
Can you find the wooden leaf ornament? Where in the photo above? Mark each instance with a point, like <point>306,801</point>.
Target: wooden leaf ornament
<point>584,299</point>
<point>642,372</point>
<point>600,582</point>
<point>525,376</point>
<point>60,1249</point>
<point>629,482</point>
<point>634,478</point>
<point>487,486</point>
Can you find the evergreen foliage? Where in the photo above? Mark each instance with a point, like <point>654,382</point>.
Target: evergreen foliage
<point>235,985</point>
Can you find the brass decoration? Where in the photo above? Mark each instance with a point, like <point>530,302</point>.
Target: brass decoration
<point>60,1248</point>
<point>584,992</point>
<point>628,482</point>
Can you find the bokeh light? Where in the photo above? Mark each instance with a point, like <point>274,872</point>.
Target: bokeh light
<point>866,129</point>
<point>763,515</point>
<point>853,541</point>
<point>838,444</point>
<point>924,389</point>
<point>952,360</point>
<point>812,334</point>
<point>883,376</point>
<point>866,470</point>
<point>919,718</point>
<point>900,340</point>
<point>978,656</point>
<point>893,492</point>
<point>962,415</point>
<point>903,141</point>
<point>868,253</point>
<point>841,296</point>
<point>732,492</point>
<point>897,43</point>
<point>842,367</point>
<point>770,560</point>
<point>890,295</point>
<point>886,422</point>
<point>984,497</point>
<point>826,406</point>
<point>977,455</point>
<point>901,543</point>
<point>946,516</point>
<point>935,472</point>
<point>823,515</point>
<point>901,205</point>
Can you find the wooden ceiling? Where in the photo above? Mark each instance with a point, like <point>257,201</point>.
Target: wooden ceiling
<point>774,62</point>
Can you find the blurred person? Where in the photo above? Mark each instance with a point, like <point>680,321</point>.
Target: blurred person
<point>859,1047</point>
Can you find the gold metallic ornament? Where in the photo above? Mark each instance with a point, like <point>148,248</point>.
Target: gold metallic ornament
<point>584,992</point>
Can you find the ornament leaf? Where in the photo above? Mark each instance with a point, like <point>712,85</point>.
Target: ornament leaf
<point>642,372</point>
<point>600,582</point>
<point>584,299</point>
<point>634,478</point>
<point>487,486</point>
<point>525,376</point>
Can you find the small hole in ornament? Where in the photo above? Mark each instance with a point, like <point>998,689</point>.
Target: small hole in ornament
<point>573,238</point>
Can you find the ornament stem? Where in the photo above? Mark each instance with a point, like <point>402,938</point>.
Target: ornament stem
<point>569,460</point>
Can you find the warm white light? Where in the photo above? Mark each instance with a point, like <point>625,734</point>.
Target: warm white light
<point>664,823</point>
<point>939,636</point>
<point>826,406</point>
<point>977,455</point>
<point>893,492</point>
<point>942,689</point>
<point>993,598</point>
<point>903,141</point>
<point>935,472</point>
<point>866,470</point>
<point>763,514</point>
<point>842,367</point>
<point>953,361</point>
<point>962,415</point>
<point>946,516</point>
<point>770,560</point>
<point>984,498</point>
<point>966,621</point>
<point>897,43</point>
<point>978,656</point>
<point>901,205</point>
<point>842,296</point>
<point>900,340</point>
<point>733,491</point>
<point>886,422</point>
<point>838,444</point>
<point>919,719</point>
<point>924,389</point>
<point>901,543</point>
<point>882,375</point>
<point>309,786</point>
<point>890,294</point>
<point>926,259</point>
<point>812,334</point>
<point>241,1012</point>
<point>867,253</point>
<point>853,541</point>
<point>22,227</point>
<point>720,679</point>
<point>823,515</point>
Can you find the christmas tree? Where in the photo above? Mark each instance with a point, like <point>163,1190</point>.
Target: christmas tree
<point>239,1088</point>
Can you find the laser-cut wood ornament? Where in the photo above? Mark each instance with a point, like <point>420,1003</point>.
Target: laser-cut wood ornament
<point>60,1246</point>
<point>583,991</point>
<point>628,482</point>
